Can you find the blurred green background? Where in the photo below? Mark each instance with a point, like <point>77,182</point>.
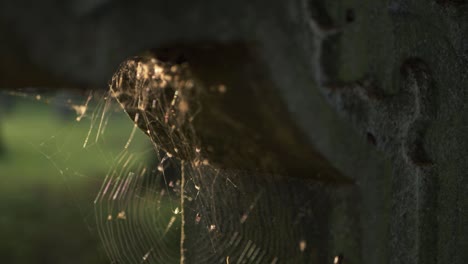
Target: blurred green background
<point>48,180</point>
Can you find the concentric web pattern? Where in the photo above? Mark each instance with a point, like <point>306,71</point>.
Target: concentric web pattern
<point>186,209</point>
<point>132,212</point>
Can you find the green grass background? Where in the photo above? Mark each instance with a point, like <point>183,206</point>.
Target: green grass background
<point>48,182</point>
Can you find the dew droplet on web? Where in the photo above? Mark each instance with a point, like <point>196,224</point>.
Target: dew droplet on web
<point>157,70</point>
<point>122,215</point>
<point>189,84</point>
<point>169,225</point>
<point>80,111</point>
<point>222,88</point>
<point>302,245</point>
<point>167,78</point>
<point>212,228</point>
<point>183,106</point>
<point>160,168</point>
<point>137,116</point>
<point>338,259</point>
<point>145,257</point>
<point>244,218</point>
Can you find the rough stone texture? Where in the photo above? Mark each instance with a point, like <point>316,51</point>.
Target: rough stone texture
<point>401,91</point>
<point>378,86</point>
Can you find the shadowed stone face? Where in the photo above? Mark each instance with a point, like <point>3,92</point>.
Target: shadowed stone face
<point>219,102</point>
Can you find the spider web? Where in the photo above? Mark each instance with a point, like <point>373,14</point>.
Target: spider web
<point>188,210</point>
<point>183,207</point>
